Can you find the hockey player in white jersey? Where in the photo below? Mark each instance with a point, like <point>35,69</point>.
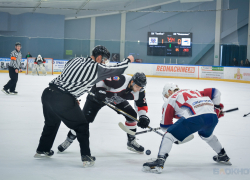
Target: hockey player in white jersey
<point>117,91</point>
<point>39,63</point>
<point>197,111</point>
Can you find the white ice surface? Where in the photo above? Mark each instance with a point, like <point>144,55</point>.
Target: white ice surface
<point>21,123</point>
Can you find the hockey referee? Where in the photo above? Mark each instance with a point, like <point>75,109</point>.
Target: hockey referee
<point>14,68</point>
<point>60,99</point>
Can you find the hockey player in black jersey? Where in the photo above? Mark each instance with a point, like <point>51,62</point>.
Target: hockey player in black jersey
<point>117,90</point>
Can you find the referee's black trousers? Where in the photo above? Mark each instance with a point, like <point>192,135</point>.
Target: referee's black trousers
<point>57,107</point>
<point>11,85</point>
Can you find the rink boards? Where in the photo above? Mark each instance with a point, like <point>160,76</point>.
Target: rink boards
<point>231,74</point>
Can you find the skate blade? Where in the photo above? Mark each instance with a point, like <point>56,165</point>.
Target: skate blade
<point>223,162</point>
<point>156,170</point>
<point>41,156</point>
<point>4,92</point>
<point>87,164</point>
<point>132,149</point>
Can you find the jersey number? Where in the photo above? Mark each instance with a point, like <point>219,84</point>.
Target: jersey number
<point>188,95</point>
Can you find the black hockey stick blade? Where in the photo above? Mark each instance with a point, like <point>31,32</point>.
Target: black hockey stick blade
<point>230,110</point>
<point>246,114</point>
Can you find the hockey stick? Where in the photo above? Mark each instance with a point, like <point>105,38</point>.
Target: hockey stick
<point>230,110</point>
<point>246,114</point>
<point>142,132</point>
<point>124,113</point>
<point>124,128</point>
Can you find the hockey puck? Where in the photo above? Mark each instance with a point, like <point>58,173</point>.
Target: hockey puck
<point>148,152</point>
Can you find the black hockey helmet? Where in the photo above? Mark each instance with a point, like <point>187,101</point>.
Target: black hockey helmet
<point>101,50</point>
<point>139,79</point>
<point>18,44</point>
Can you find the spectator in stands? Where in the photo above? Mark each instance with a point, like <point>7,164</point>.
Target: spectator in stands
<point>241,63</point>
<point>28,55</point>
<point>235,62</point>
<point>247,64</point>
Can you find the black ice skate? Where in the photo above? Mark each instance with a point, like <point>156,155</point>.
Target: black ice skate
<point>5,91</point>
<point>155,166</point>
<point>88,161</point>
<point>222,158</point>
<point>13,93</point>
<point>41,154</point>
<point>132,145</point>
<point>70,138</point>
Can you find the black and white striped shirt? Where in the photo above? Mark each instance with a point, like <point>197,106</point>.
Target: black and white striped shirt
<point>80,74</point>
<point>15,59</point>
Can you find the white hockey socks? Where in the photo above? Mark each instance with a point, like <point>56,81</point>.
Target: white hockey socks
<point>166,144</point>
<point>213,143</point>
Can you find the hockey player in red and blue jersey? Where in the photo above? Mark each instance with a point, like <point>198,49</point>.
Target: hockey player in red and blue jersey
<point>197,111</point>
<point>117,91</point>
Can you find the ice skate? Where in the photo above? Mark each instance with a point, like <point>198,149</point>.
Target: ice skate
<point>5,91</point>
<point>155,166</point>
<point>88,161</point>
<point>132,145</point>
<point>13,93</point>
<point>42,154</point>
<point>70,138</point>
<point>222,158</point>
<point>62,147</point>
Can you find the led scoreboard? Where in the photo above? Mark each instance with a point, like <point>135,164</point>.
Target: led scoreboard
<point>169,44</point>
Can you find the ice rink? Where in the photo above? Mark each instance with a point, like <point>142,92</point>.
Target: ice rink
<point>21,124</point>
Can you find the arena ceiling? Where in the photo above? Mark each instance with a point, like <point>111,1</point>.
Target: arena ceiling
<point>72,9</point>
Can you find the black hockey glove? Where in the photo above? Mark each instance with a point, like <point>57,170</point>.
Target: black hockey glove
<point>100,93</point>
<point>144,121</point>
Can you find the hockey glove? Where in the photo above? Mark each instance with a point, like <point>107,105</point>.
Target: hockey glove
<point>218,110</point>
<point>100,93</point>
<point>144,121</point>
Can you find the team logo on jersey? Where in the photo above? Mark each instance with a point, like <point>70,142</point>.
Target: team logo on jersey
<point>116,78</point>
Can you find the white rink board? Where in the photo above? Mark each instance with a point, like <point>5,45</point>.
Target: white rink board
<point>188,71</point>
<point>20,131</point>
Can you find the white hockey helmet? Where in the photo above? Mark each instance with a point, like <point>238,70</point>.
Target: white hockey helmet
<point>169,86</point>
<point>39,57</point>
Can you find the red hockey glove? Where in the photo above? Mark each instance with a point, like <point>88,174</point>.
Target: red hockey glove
<point>218,110</point>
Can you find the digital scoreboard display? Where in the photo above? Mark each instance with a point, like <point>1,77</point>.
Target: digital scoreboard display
<point>169,44</point>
